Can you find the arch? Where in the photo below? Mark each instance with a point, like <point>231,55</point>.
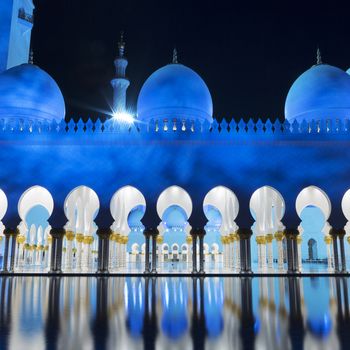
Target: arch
<point>3,204</point>
<point>127,200</point>
<point>81,207</point>
<point>267,207</point>
<point>135,248</point>
<point>34,196</point>
<point>313,196</point>
<point>214,248</point>
<point>226,202</point>
<point>174,195</point>
<point>312,249</point>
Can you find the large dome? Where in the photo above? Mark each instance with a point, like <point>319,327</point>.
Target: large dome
<point>27,92</point>
<point>174,91</point>
<point>322,92</point>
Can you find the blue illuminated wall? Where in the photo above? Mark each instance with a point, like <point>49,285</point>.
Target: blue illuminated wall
<point>243,159</point>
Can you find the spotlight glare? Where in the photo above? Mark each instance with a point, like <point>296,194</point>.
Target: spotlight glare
<point>123,117</point>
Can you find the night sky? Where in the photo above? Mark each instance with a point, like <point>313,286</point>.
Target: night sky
<point>248,54</point>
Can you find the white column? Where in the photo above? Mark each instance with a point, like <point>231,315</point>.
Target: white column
<point>299,267</point>
<point>69,250</point>
<point>269,239</point>
<point>328,241</point>
<point>237,255</point>
<point>79,240</point>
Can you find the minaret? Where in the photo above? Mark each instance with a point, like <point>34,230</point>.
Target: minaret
<point>16,23</point>
<point>318,57</point>
<point>120,83</point>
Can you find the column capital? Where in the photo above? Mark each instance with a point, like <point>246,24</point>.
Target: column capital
<point>244,233</point>
<point>291,233</point>
<point>197,232</point>
<point>337,232</point>
<point>150,231</point>
<point>104,232</point>
<point>11,231</point>
<point>57,232</point>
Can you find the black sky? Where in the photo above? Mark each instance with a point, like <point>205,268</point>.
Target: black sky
<point>248,54</point>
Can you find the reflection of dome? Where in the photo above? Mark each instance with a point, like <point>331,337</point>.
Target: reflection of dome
<point>322,92</point>
<point>26,91</point>
<point>174,91</point>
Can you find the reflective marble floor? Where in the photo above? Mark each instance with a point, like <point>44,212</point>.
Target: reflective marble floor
<point>174,313</point>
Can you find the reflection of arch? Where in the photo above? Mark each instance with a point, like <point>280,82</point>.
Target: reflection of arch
<point>127,200</point>
<point>312,248</point>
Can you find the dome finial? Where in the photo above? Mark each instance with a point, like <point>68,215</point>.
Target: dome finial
<point>121,44</point>
<point>318,56</point>
<point>31,57</point>
<point>175,55</point>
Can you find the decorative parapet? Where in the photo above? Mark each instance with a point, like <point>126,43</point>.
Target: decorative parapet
<point>175,126</point>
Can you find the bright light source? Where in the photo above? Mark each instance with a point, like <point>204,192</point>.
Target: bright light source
<point>123,117</point>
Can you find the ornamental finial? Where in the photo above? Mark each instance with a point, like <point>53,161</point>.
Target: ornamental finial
<point>121,44</point>
<point>31,57</point>
<point>318,57</point>
<point>175,55</point>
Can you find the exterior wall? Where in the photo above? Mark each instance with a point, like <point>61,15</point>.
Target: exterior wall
<point>152,161</point>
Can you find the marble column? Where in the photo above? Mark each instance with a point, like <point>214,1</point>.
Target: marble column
<point>7,233</point>
<point>269,239</point>
<point>279,236</point>
<point>261,241</point>
<point>79,243</point>
<point>154,233</point>
<point>193,233</point>
<point>57,235</point>
<point>201,234</point>
<point>334,234</point>
<point>103,249</point>
<point>341,234</point>
<point>245,252</point>
<point>87,258</point>
<point>14,235</point>
<point>147,240</point>
<point>328,241</point>
<point>292,250</point>
<point>69,250</point>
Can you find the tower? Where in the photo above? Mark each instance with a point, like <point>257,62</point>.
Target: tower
<point>120,83</point>
<point>16,23</point>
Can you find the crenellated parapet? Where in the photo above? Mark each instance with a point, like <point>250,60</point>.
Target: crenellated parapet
<point>157,128</point>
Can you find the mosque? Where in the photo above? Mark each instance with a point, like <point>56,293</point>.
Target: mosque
<point>172,165</point>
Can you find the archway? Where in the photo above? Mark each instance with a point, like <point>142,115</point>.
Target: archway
<point>128,206</point>
<point>81,207</point>
<point>314,207</point>
<point>174,207</point>
<point>221,208</point>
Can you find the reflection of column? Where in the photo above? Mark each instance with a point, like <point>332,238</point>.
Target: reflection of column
<point>52,326</point>
<point>198,330</point>
<point>328,241</point>
<point>269,239</point>
<point>149,330</point>
<point>247,316</point>
<point>296,326</point>
<point>69,250</point>
<point>343,315</point>
<point>279,238</point>
<point>147,262</point>
<point>100,323</point>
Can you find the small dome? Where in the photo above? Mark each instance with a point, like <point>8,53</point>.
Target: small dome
<point>174,91</point>
<point>322,92</point>
<point>26,91</point>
